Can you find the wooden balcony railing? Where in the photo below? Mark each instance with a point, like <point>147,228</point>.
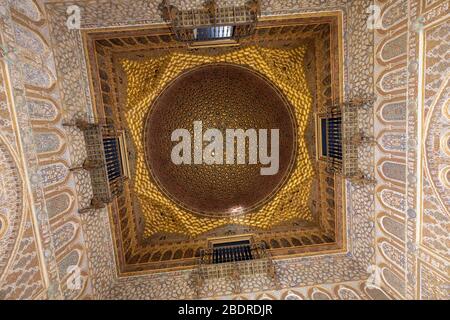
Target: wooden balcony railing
<point>192,25</point>
<point>103,162</point>
<point>234,263</point>
<point>344,136</point>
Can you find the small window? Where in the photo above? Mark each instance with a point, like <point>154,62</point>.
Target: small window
<point>331,137</point>
<point>232,251</point>
<point>213,33</point>
<point>113,158</point>
<point>323,126</point>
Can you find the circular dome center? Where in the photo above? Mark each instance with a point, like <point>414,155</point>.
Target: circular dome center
<point>225,97</point>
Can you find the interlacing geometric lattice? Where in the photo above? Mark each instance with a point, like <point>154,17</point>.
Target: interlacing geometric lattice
<point>146,79</point>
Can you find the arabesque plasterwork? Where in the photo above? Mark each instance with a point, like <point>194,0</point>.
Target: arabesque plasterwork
<point>399,225</point>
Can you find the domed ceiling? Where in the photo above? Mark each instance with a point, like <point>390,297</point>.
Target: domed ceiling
<point>223,97</point>
<point>178,199</point>
<point>151,85</point>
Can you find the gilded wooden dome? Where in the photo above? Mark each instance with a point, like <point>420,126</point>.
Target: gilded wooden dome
<point>221,96</point>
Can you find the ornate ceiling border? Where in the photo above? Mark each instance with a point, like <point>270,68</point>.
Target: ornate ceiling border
<point>105,50</point>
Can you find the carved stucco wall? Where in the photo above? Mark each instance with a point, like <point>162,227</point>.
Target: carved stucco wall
<point>41,232</point>
<point>411,125</point>
<point>45,82</point>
